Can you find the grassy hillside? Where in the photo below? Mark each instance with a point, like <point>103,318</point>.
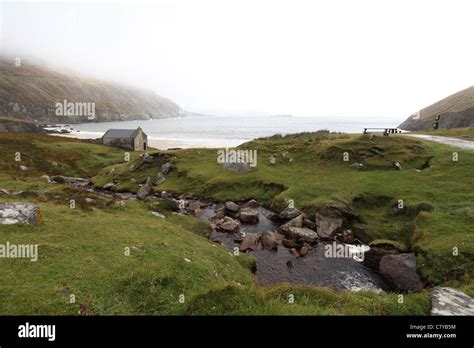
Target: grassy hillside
<point>82,250</point>
<point>30,92</point>
<point>456,111</point>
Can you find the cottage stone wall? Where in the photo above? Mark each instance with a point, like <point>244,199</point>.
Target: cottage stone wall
<point>141,141</point>
<point>126,144</point>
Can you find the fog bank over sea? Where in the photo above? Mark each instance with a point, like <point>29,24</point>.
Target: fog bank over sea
<point>224,131</point>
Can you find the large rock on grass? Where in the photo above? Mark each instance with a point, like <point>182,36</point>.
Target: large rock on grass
<point>400,272</point>
<point>159,179</point>
<point>449,301</point>
<point>165,168</point>
<point>145,190</point>
<point>19,213</point>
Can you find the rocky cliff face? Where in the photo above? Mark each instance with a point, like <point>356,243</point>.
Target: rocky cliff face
<point>32,93</point>
<point>456,111</point>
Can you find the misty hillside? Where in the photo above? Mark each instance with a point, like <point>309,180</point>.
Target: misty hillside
<point>30,92</point>
<point>456,111</point>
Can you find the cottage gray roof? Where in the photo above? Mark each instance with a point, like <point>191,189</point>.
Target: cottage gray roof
<point>120,133</point>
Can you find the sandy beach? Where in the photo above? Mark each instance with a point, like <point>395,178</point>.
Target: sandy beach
<point>160,144</point>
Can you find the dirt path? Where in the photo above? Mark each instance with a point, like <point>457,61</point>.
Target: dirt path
<point>463,144</point>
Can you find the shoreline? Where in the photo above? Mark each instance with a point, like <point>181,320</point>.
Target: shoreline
<point>160,144</point>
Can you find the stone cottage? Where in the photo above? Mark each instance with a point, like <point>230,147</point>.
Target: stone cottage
<point>127,139</point>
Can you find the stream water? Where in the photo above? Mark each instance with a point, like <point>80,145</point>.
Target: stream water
<point>280,266</point>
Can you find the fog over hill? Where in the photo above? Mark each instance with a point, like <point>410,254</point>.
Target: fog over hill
<point>31,93</point>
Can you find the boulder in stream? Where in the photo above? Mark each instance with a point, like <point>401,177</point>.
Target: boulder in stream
<point>249,242</point>
<point>271,240</point>
<point>231,209</point>
<point>400,272</point>
<point>303,234</point>
<point>249,216</point>
<point>327,226</point>
<point>227,225</point>
<point>289,213</point>
<point>296,222</point>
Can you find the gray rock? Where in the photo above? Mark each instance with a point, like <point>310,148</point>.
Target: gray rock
<point>195,205</point>
<point>303,234</point>
<point>309,224</point>
<point>19,213</point>
<point>46,178</point>
<point>289,213</point>
<point>397,166</point>
<point>249,242</point>
<point>70,180</point>
<point>108,186</point>
<point>158,214</point>
<point>304,250</point>
<point>23,168</point>
<point>449,301</point>
<point>400,272</point>
<point>357,165</point>
<point>272,160</point>
<point>249,215</point>
<point>4,192</point>
<point>271,240</point>
<point>220,213</point>
<point>327,226</point>
<point>145,190</point>
<point>147,158</point>
<point>296,222</point>
<point>251,204</point>
<point>165,168</point>
<point>286,156</point>
<point>239,167</point>
<point>339,210</point>
<point>160,178</point>
<point>228,225</point>
<point>231,209</point>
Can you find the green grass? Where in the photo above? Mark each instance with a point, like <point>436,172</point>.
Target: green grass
<point>82,250</point>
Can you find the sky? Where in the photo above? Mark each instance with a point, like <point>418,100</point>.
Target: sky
<point>381,59</point>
